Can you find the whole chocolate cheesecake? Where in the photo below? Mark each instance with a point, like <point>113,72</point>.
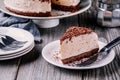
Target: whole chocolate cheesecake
<point>40,8</point>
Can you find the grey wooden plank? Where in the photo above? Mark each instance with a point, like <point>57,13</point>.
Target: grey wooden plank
<point>114,67</point>
<point>111,71</point>
<point>39,69</point>
<point>8,69</point>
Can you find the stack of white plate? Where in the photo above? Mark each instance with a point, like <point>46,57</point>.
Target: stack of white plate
<point>19,35</point>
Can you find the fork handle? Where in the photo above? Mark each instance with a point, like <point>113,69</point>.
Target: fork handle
<point>110,45</point>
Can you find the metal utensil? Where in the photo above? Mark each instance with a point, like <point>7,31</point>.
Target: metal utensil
<point>9,43</point>
<point>10,40</point>
<point>102,53</point>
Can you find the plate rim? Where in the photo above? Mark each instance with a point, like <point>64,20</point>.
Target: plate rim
<point>16,55</point>
<point>19,52</point>
<point>76,68</point>
<point>3,9</point>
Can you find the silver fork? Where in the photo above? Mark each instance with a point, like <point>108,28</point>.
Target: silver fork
<point>7,48</point>
<point>9,40</point>
<point>10,43</point>
<point>101,54</point>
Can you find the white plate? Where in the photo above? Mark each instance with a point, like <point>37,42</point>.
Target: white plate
<point>17,54</point>
<point>84,5</point>
<point>18,51</point>
<point>53,47</point>
<point>18,34</point>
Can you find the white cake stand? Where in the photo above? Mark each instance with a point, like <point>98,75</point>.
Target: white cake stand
<point>52,21</point>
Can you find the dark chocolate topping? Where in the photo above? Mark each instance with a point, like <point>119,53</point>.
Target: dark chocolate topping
<point>75,31</point>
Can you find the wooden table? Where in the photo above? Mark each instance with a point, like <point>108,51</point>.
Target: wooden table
<point>33,67</point>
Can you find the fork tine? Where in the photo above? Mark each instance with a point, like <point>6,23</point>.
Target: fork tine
<point>7,48</point>
<point>15,41</point>
<point>1,45</point>
<point>10,38</point>
<point>11,44</point>
<point>6,41</point>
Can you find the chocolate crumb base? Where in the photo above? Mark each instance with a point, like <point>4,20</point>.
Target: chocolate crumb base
<point>29,14</point>
<point>74,31</point>
<point>65,8</point>
<point>80,57</point>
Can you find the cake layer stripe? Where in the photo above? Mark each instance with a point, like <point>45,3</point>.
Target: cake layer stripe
<point>29,13</point>
<point>80,56</point>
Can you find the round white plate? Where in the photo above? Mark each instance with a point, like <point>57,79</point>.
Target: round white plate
<point>19,54</point>
<point>84,5</point>
<point>53,47</point>
<point>18,34</point>
<point>18,51</point>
